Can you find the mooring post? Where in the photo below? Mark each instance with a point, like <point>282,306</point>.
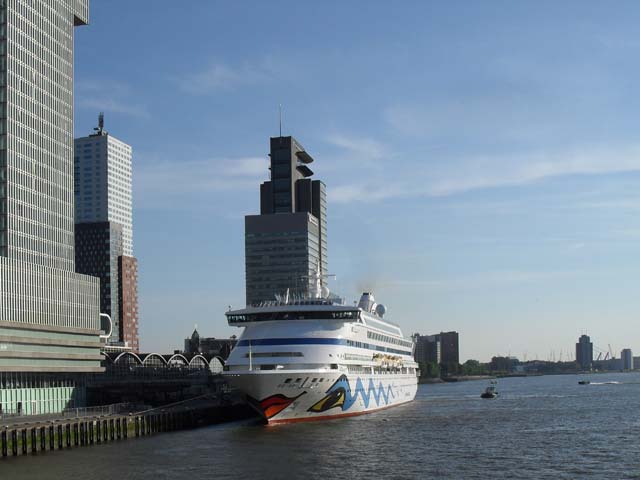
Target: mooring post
<point>67,429</point>
<point>51,437</point>
<point>82,435</point>
<point>113,436</point>
<point>59,436</point>
<point>34,443</point>
<point>91,432</point>
<point>43,439</point>
<point>98,436</point>
<point>125,427</point>
<point>23,434</point>
<point>14,441</point>
<point>105,430</point>
<point>75,434</point>
<point>3,440</point>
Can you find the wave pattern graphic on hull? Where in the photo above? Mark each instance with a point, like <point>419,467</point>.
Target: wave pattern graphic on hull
<point>339,395</point>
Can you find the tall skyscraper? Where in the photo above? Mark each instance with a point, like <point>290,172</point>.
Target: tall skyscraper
<point>104,228</point>
<point>287,243</point>
<point>49,315</point>
<point>584,352</point>
<point>626,359</point>
<point>103,189</point>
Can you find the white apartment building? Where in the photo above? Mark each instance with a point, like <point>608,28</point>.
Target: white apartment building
<point>103,188</point>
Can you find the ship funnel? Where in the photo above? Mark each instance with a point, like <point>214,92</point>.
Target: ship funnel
<point>367,302</point>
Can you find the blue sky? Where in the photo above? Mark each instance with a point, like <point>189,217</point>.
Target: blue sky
<point>482,159</point>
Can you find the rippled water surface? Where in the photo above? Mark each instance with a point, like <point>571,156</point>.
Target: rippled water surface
<point>540,427</point>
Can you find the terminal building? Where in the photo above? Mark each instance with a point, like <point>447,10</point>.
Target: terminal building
<point>286,244</point>
<point>104,229</point>
<point>49,314</point>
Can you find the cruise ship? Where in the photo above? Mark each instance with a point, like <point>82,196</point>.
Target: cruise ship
<point>318,358</point>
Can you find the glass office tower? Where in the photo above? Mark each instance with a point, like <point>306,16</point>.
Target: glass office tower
<point>49,315</point>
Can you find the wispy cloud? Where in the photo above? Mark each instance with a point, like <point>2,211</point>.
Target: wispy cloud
<point>115,97</point>
<point>500,171</point>
<point>474,281</point>
<point>220,76</point>
<point>361,147</point>
<point>367,191</point>
<point>161,183</point>
<point>111,105</point>
<point>464,174</point>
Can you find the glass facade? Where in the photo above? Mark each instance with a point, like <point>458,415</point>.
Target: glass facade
<point>98,247</point>
<point>49,315</point>
<point>36,132</point>
<point>39,393</point>
<point>36,295</point>
<point>282,259</point>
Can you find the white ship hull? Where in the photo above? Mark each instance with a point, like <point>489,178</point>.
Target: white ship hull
<point>306,396</point>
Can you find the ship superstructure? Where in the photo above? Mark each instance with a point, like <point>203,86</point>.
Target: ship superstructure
<point>316,358</point>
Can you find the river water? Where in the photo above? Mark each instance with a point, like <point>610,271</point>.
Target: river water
<point>540,427</point>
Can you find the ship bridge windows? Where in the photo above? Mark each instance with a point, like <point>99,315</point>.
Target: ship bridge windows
<point>385,338</point>
<point>293,315</point>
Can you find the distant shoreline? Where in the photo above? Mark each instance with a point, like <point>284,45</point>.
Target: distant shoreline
<point>467,378</point>
<point>457,378</point>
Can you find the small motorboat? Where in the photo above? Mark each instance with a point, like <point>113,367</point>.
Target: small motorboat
<point>584,382</point>
<point>490,392</point>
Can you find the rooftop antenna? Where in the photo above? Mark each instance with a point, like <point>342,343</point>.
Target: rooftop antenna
<point>280,110</point>
<point>100,128</point>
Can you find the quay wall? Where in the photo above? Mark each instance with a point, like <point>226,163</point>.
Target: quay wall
<point>21,439</point>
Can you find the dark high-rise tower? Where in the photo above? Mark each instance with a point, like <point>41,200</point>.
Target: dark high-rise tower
<point>584,352</point>
<point>287,243</point>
